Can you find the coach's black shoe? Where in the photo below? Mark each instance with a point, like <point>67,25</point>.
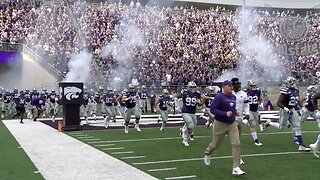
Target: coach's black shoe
<point>21,122</point>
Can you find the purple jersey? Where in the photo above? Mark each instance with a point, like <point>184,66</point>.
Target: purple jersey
<point>163,102</point>
<point>291,97</point>
<point>190,101</point>
<point>208,102</point>
<point>143,95</point>
<point>253,97</point>
<point>38,102</point>
<point>308,103</point>
<point>132,102</point>
<point>109,99</point>
<point>20,101</point>
<point>34,95</point>
<point>27,97</point>
<point>52,97</point>
<point>7,98</point>
<point>86,97</point>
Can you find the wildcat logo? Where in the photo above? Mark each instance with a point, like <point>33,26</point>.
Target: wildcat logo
<point>231,104</point>
<point>293,29</point>
<point>72,93</point>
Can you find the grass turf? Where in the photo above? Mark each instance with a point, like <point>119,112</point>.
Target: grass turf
<point>163,146</point>
<point>14,163</point>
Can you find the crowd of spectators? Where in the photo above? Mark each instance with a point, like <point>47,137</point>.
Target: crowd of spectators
<point>179,43</point>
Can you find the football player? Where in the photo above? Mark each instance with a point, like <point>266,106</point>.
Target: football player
<point>84,108</point>
<point>109,99</point>
<point>163,101</point>
<point>191,98</point>
<point>288,99</point>
<point>131,100</point>
<point>254,100</point>
<point>315,146</point>
<point>7,97</point>
<point>38,106</point>
<point>212,92</point>
<point>143,95</point>
<point>20,106</point>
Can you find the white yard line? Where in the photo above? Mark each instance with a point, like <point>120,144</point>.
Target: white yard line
<point>103,145</point>
<point>117,148</point>
<point>61,156</point>
<point>85,137</point>
<point>90,139</point>
<point>123,152</point>
<point>218,157</point>
<point>162,169</point>
<point>133,157</point>
<point>181,177</point>
<point>179,137</point>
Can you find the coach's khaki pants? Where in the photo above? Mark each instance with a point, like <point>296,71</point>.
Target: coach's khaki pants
<point>220,129</point>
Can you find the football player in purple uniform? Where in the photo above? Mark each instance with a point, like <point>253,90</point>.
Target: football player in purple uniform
<point>108,112</point>
<point>131,100</point>
<point>191,98</point>
<point>315,146</point>
<point>163,101</point>
<point>254,100</point>
<point>288,99</point>
<point>20,106</point>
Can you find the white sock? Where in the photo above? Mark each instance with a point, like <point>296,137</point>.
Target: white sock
<point>254,135</point>
<point>274,124</point>
<point>318,141</point>
<point>261,127</point>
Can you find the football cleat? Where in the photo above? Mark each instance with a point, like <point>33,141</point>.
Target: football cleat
<point>267,124</point>
<point>106,125</point>
<point>206,160</point>
<point>191,137</point>
<point>137,127</point>
<point>237,171</point>
<point>161,128</point>
<point>185,143</point>
<point>303,148</point>
<point>53,118</point>
<point>126,129</point>
<point>314,149</point>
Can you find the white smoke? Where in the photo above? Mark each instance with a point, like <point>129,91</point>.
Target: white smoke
<point>258,60</point>
<point>129,41</point>
<point>79,67</point>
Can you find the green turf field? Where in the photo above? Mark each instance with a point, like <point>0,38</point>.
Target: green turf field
<point>14,163</point>
<point>162,154</point>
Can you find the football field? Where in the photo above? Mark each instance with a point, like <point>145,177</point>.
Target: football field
<point>162,155</point>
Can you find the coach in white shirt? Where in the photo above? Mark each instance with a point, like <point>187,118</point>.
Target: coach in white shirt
<point>242,104</point>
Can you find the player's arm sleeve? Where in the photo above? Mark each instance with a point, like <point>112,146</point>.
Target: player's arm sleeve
<point>280,100</point>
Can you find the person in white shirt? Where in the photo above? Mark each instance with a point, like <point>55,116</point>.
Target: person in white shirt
<point>242,104</point>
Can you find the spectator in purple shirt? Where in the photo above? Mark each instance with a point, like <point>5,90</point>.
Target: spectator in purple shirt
<point>224,108</point>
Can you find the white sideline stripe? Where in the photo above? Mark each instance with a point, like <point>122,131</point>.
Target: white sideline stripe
<point>103,145</point>
<point>219,157</point>
<point>124,152</point>
<point>163,169</point>
<point>181,177</point>
<point>80,135</point>
<point>133,157</point>
<point>117,148</point>
<point>179,137</point>
<point>65,157</point>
